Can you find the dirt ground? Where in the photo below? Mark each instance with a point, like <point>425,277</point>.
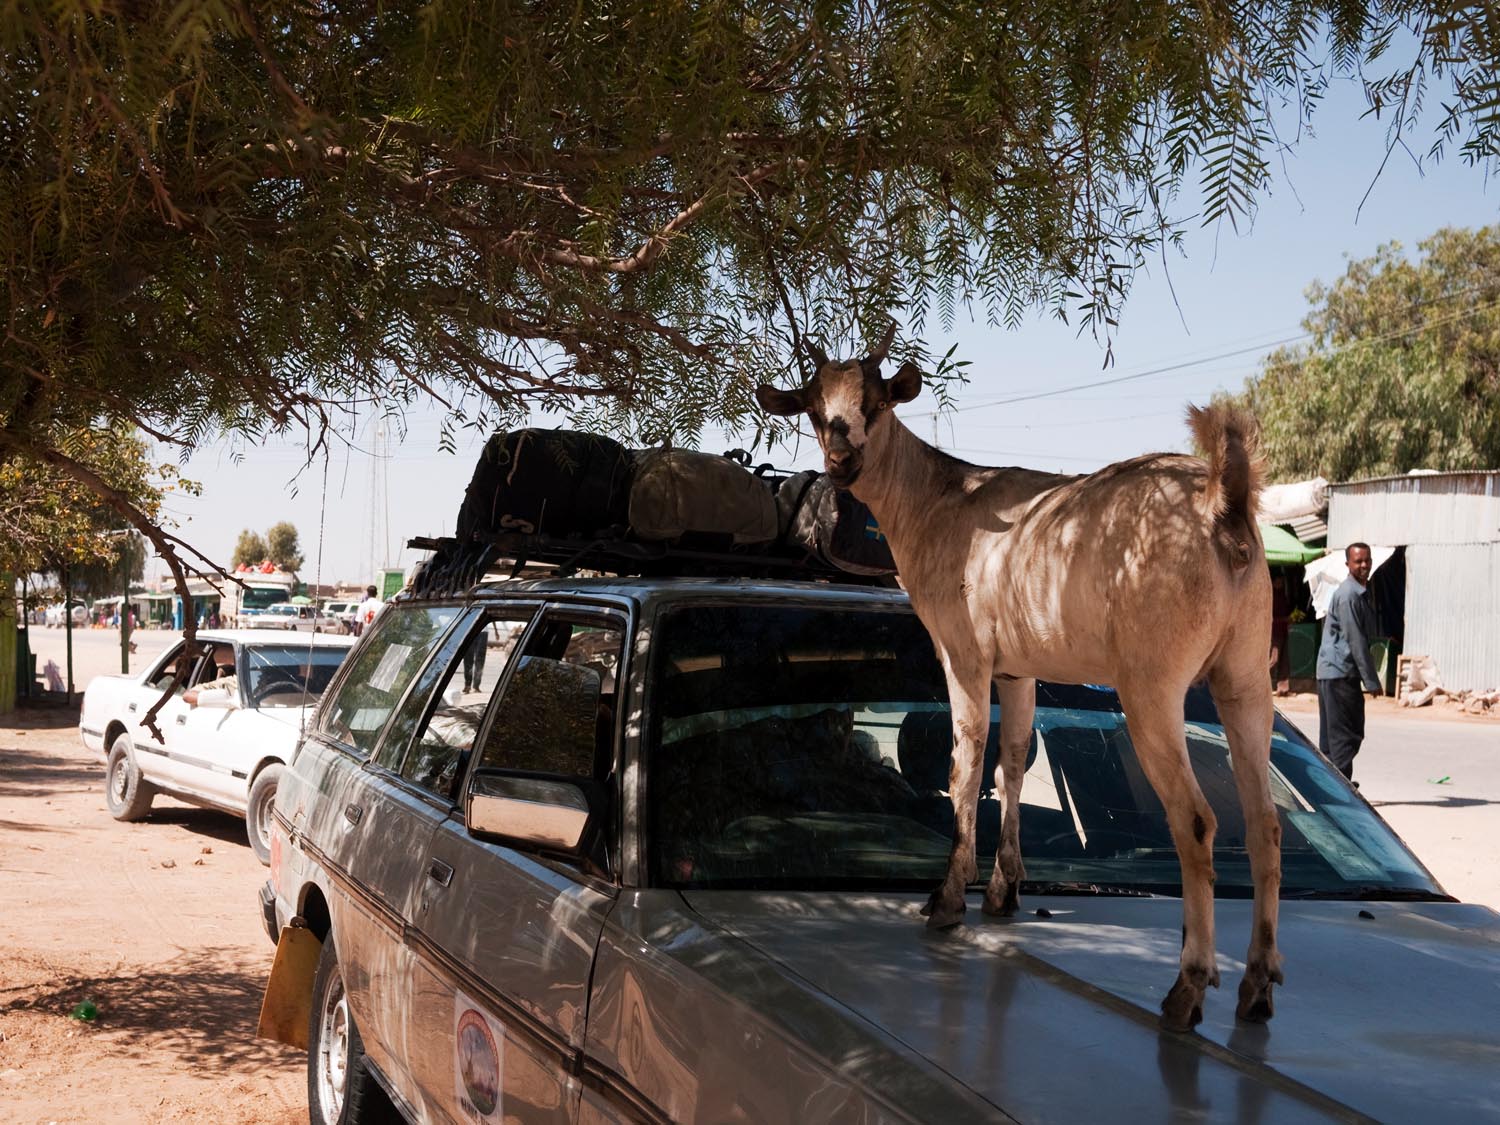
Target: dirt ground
<point>156,924</point>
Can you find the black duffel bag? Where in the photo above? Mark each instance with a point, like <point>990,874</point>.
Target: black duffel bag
<point>561,483</point>
<point>832,525</point>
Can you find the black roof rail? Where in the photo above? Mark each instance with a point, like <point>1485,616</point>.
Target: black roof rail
<point>455,566</point>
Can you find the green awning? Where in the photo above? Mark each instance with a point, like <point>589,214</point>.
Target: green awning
<point>1285,549</point>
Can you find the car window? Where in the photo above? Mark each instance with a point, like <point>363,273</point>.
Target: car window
<point>164,672</point>
<point>469,674</point>
<point>219,656</point>
<point>801,747</point>
<point>289,675</point>
<point>556,715</point>
<point>387,661</point>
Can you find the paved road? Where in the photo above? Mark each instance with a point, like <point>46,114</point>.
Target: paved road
<point>96,652</point>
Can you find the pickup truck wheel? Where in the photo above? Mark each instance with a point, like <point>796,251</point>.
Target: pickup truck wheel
<point>340,1090</point>
<point>126,792</point>
<point>258,811</point>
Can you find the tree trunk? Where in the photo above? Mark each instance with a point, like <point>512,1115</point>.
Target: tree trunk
<point>7,643</point>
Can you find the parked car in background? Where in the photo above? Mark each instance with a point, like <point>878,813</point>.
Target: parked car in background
<point>56,616</point>
<point>285,615</point>
<point>659,855</point>
<point>343,612</point>
<point>229,730</point>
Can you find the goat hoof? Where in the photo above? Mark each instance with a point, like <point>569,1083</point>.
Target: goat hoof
<point>1255,1004</point>
<point>944,917</point>
<point>1182,1010</point>
<point>1005,907</point>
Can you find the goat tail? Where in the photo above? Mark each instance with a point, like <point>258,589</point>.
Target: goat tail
<point>1228,438</point>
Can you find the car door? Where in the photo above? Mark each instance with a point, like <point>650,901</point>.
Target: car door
<point>154,758</point>
<point>506,937</point>
<point>209,744</point>
<point>370,833</point>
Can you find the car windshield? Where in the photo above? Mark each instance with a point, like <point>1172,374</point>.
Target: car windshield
<point>809,748</point>
<point>289,675</point>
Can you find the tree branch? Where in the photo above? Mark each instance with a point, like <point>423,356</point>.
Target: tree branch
<point>161,540</point>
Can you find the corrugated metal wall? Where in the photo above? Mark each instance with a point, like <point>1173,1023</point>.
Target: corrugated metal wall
<point>1453,611</point>
<point>1450,526</point>
<point>1438,508</point>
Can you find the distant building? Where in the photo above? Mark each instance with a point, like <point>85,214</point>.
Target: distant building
<point>1442,585</point>
<point>256,588</point>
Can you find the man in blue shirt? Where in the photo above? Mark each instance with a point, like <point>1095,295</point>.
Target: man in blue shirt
<point>1344,661</point>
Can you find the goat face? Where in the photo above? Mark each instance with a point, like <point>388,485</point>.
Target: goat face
<point>847,402</point>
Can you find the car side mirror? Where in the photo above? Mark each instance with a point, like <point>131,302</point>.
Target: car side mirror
<point>539,812</point>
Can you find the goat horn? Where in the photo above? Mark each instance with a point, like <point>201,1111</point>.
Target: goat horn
<point>817,354</point>
<point>878,354</point>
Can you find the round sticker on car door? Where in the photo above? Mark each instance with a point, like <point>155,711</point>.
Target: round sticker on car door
<point>478,1054</point>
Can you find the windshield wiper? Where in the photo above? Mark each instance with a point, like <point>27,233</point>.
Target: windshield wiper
<point>1079,887</point>
<point>1368,892</point>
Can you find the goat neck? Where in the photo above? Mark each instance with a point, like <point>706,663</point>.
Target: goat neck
<point>901,479</point>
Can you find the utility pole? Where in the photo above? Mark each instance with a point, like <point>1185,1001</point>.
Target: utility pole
<point>68,626</point>
<point>125,604</point>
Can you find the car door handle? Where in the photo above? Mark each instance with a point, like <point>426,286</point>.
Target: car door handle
<point>439,872</point>
<point>130,707</point>
<point>182,720</point>
<point>352,813</point>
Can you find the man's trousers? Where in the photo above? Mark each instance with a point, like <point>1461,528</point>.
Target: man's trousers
<point>1341,722</point>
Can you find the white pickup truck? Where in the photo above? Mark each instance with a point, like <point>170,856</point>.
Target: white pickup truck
<point>228,730</point>
<point>286,617</point>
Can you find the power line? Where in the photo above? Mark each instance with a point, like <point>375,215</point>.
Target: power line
<point>1185,364</point>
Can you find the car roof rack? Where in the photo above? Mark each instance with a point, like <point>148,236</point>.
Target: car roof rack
<point>455,566</point>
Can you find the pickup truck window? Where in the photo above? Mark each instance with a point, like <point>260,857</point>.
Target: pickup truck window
<point>466,679</point>
<point>380,672</point>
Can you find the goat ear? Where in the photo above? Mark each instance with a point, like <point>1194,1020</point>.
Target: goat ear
<point>773,400</point>
<point>905,385</point>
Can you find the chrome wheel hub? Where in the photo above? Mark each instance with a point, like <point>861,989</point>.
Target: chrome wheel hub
<point>333,1051</point>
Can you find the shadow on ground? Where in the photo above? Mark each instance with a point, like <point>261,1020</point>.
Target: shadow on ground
<point>222,826</point>
<point>41,716</point>
<point>1437,803</point>
<point>204,1013</point>
<point>27,773</point>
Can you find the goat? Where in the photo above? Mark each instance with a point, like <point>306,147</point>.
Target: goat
<point>1147,575</point>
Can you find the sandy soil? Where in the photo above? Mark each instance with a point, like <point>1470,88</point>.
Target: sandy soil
<point>156,923</point>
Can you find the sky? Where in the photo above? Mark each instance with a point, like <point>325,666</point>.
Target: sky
<point>1208,318</point>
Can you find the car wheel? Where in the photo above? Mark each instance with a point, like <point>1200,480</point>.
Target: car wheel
<point>340,1089</point>
<point>127,794</point>
<point>258,811</point>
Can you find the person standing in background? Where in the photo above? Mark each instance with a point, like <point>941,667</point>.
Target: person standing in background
<point>1344,663</point>
<point>369,608</point>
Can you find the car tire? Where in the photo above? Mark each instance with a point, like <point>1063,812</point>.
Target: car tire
<point>258,811</point>
<point>127,794</point>
<point>340,1088</point>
